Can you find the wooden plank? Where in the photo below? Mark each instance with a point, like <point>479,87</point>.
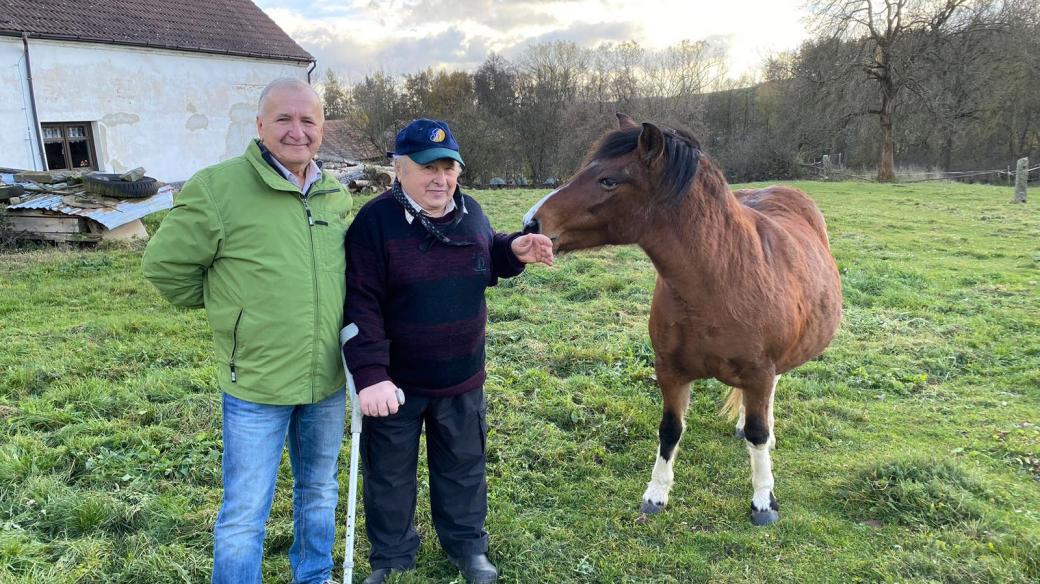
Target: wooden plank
<point>46,176</point>
<point>63,237</point>
<point>45,224</point>
<point>131,176</point>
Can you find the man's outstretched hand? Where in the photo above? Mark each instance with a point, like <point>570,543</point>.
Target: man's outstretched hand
<point>533,247</point>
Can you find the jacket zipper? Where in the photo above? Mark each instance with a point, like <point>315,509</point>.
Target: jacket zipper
<point>314,271</point>
<point>307,209</point>
<point>314,284</point>
<point>234,346</point>
<point>304,198</point>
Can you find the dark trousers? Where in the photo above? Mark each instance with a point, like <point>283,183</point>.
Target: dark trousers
<point>456,431</point>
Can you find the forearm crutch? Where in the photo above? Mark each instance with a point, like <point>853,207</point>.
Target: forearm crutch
<point>345,335</point>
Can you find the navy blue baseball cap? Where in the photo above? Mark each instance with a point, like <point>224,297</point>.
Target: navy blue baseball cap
<point>426,140</point>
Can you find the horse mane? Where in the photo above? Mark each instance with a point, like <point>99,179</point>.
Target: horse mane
<point>681,158</point>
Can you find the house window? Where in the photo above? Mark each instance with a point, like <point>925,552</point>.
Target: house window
<point>69,145</point>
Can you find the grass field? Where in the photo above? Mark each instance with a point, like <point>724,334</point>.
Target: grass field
<point>909,452</point>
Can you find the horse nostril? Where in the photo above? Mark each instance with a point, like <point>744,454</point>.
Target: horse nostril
<point>531,226</point>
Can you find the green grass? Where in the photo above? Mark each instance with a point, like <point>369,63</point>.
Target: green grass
<point>909,452</point>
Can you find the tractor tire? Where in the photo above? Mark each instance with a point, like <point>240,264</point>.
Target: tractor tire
<point>109,185</point>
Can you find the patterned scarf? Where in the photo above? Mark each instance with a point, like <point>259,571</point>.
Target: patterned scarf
<point>398,193</point>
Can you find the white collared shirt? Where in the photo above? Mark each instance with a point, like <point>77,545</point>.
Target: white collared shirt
<point>409,217</point>
<point>313,174</point>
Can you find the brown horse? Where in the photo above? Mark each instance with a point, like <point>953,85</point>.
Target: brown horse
<point>746,286</point>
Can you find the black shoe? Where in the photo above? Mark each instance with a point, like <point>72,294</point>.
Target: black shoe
<point>378,576</point>
<point>476,569</point>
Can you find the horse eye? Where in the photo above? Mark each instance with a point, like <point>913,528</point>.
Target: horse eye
<point>608,183</point>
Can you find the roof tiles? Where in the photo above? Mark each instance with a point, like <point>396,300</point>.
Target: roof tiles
<point>236,27</point>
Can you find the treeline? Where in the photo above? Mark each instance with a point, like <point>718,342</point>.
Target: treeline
<point>945,85</point>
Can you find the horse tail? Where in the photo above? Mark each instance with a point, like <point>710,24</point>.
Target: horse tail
<point>731,409</point>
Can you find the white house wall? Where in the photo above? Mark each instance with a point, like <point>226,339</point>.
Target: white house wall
<point>170,112</point>
<point>18,147</point>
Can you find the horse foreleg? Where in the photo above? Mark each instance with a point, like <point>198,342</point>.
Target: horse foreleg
<point>758,432</point>
<point>676,397</point>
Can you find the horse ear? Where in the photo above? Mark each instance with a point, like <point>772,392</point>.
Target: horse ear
<point>625,121</point>
<point>651,144</point>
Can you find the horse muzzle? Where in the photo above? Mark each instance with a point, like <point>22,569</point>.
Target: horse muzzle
<point>532,225</point>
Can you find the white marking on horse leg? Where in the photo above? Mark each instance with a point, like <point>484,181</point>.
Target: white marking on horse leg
<point>761,476</point>
<point>530,213</point>
<point>661,480</point>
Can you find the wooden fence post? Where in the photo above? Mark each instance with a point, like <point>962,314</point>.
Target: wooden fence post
<point>1021,176</point>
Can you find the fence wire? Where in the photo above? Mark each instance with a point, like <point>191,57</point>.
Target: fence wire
<point>844,174</point>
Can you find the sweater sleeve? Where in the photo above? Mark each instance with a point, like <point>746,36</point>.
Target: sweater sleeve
<point>368,353</point>
<point>185,246</point>
<point>504,261</point>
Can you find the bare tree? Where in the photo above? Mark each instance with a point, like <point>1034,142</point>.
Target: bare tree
<point>547,87</point>
<point>821,95</point>
<point>676,78</point>
<point>495,84</point>
<point>1013,108</point>
<point>626,68</point>
<point>947,82</point>
<point>960,78</point>
<point>377,109</point>
<point>891,35</point>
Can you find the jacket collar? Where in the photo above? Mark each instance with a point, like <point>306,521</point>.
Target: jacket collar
<point>270,175</point>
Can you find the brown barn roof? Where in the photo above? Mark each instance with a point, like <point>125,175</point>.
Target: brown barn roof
<point>233,27</point>
<point>340,142</point>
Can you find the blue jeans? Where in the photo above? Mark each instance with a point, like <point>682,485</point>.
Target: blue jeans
<point>254,436</point>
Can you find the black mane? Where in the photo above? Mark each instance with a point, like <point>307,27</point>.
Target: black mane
<point>681,153</point>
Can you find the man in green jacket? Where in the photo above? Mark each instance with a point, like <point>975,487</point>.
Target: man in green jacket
<point>257,241</point>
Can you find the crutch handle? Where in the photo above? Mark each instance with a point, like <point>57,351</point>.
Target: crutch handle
<point>345,334</point>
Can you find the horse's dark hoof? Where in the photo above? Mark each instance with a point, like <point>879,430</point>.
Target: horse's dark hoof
<point>649,507</point>
<point>739,433</point>
<point>760,518</point>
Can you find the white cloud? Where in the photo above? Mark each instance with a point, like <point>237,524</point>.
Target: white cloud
<point>361,36</point>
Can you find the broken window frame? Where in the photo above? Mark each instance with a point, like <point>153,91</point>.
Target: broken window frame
<point>64,139</point>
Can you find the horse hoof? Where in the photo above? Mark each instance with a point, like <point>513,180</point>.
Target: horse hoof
<point>739,433</point>
<point>649,507</point>
<point>760,518</point>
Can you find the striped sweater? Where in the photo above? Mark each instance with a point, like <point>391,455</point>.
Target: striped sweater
<point>419,304</point>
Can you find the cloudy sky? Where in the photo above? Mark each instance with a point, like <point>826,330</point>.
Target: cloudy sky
<point>357,37</point>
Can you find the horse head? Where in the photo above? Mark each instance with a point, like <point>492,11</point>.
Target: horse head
<point>631,174</point>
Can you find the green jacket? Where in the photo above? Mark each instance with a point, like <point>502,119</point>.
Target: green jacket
<point>268,265</point>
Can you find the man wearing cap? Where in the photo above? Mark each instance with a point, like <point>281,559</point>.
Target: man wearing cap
<point>419,258</point>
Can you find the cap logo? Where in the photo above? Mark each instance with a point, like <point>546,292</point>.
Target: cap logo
<point>437,135</point>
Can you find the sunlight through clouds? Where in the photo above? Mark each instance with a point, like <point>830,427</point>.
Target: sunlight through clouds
<point>400,36</point>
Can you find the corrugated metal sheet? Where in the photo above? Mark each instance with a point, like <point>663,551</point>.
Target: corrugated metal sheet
<point>122,211</point>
